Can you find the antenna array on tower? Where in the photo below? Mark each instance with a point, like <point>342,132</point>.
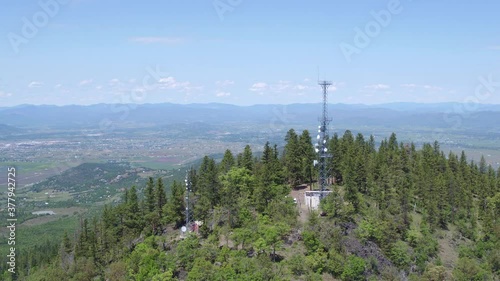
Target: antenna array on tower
<point>188,210</point>
<point>321,146</point>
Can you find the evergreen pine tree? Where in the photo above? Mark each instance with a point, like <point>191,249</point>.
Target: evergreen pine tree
<point>150,196</point>
<point>227,162</point>
<point>161,198</point>
<point>292,159</point>
<point>308,155</point>
<point>175,207</point>
<point>247,158</point>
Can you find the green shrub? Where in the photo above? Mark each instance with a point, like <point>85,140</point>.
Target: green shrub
<point>354,269</point>
<point>399,254</point>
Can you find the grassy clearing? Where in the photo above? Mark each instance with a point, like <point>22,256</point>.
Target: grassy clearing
<point>447,249</point>
<point>47,195</point>
<point>60,213</point>
<point>155,165</point>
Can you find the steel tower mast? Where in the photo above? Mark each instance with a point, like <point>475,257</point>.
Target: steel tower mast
<point>188,190</point>
<point>321,146</point>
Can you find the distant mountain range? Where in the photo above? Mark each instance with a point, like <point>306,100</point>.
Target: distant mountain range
<point>476,117</point>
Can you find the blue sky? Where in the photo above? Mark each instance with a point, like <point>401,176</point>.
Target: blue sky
<point>248,52</point>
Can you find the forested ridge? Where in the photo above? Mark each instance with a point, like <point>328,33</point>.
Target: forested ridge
<point>396,213</point>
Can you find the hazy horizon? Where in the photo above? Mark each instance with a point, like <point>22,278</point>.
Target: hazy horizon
<point>244,53</point>
<point>257,104</point>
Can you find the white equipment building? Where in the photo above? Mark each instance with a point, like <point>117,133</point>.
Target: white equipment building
<point>312,198</point>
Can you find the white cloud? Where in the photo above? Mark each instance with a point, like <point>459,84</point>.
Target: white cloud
<point>168,79</point>
<point>5,95</point>
<point>258,87</point>
<point>221,84</point>
<point>283,86</point>
<point>139,90</point>
<point>378,87</point>
<point>58,86</point>
<point>430,87</point>
<point>409,85</point>
<point>170,83</point>
<point>98,87</point>
<point>85,82</point>
<point>224,83</point>
<point>156,40</point>
<point>222,94</point>
<point>116,84</point>
<point>35,84</point>
<point>301,87</point>
<point>425,87</point>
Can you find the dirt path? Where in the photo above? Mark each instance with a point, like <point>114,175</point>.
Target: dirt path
<point>298,193</point>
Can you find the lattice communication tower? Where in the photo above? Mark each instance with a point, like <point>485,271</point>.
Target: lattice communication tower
<point>321,147</point>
